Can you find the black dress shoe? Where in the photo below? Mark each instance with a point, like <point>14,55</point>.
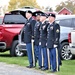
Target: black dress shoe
<point>44,69</point>
<point>29,66</point>
<point>60,63</point>
<point>40,67</point>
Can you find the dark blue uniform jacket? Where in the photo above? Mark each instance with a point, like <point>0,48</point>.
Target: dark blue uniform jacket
<point>43,34</point>
<point>29,30</point>
<point>53,35</point>
<point>37,33</point>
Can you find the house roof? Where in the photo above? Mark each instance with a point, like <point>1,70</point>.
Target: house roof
<point>66,9</point>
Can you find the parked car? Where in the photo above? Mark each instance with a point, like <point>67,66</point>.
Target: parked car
<point>9,30</point>
<point>71,39</point>
<point>11,26</point>
<point>67,23</point>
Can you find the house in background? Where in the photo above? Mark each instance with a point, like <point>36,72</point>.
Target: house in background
<point>65,11</point>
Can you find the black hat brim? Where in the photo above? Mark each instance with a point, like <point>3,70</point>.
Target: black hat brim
<point>37,12</point>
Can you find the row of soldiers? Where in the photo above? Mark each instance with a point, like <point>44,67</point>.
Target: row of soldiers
<point>42,40</point>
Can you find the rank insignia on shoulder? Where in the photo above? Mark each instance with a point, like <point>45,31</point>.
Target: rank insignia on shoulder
<point>57,30</point>
<point>51,27</point>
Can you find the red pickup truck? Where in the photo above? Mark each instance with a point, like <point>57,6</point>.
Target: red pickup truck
<point>9,30</point>
<point>11,26</point>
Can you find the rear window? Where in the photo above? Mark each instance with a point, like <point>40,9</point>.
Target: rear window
<point>65,22</point>
<point>74,22</point>
<point>14,19</point>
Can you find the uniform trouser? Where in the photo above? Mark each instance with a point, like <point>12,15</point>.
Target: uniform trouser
<point>40,57</point>
<point>45,57</point>
<point>36,51</point>
<point>53,58</point>
<point>29,53</point>
<point>59,54</point>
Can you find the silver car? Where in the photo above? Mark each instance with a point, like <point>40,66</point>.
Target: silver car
<point>66,25</point>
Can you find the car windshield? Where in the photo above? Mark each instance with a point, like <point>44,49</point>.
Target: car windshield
<point>14,19</point>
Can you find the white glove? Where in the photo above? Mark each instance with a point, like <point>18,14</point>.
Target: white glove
<point>32,40</point>
<point>46,44</point>
<point>39,43</point>
<point>55,46</point>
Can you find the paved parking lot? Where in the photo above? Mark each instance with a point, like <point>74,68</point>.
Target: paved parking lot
<point>11,69</point>
<point>8,69</point>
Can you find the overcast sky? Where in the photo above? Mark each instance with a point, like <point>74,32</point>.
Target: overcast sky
<point>44,3</point>
<point>51,3</point>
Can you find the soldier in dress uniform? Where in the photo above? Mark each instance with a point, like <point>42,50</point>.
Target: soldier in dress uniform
<point>28,36</point>
<point>53,41</point>
<point>43,40</point>
<point>37,36</point>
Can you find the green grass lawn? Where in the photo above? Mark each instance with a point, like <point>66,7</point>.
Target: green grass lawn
<point>67,68</point>
<point>5,57</point>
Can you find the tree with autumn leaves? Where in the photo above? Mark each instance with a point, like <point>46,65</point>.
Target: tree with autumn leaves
<point>70,4</point>
<point>14,4</point>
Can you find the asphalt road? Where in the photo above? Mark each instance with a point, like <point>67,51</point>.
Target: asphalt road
<point>8,69</point>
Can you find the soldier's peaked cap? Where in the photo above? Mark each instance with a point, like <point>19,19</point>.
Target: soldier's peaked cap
<point>28,11</point>
<point>44,14</point>
<point>37,13</point>
<point>52,15</point>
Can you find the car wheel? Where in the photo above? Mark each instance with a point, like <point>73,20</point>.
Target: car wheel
<point>65,52</point>
<point>15,51</point>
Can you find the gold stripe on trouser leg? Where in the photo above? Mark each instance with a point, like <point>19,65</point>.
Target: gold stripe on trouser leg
<point>42,58</point>
<point>57,58</point>
<point>33,52</point>
<point>48,55</point>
